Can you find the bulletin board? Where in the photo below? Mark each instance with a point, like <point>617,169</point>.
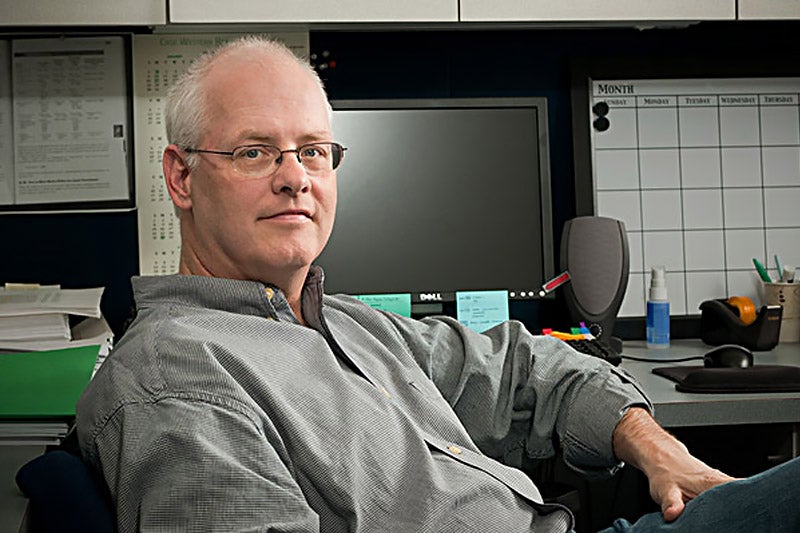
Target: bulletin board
<point>703,171</point>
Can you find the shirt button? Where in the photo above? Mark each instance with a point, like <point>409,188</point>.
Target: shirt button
<point>270,292</point>
<point>454,449</point>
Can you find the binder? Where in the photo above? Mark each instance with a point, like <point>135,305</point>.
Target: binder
<point>44,384</point>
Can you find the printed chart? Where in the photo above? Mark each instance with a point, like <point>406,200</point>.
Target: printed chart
<point>705,173</point>
<point>64,125</point>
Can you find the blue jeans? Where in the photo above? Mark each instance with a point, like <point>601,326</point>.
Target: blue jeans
<point>768,502</point>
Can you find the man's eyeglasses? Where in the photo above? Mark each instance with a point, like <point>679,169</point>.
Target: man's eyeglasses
<point>263,160</point>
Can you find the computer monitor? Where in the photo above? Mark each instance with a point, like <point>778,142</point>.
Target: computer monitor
<point>437,196</point>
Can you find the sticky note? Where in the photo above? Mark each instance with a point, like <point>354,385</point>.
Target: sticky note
<point>481,310</point>
<point>399,304</point>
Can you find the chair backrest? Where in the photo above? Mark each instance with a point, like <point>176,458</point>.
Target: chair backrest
<point>65,495</point>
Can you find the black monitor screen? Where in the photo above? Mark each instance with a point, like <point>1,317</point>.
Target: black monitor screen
<point>439,196</point>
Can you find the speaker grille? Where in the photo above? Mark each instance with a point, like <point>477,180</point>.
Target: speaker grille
<point>595,262</point>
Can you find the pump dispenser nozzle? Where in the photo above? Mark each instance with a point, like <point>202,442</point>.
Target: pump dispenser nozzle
<point>658,285</point>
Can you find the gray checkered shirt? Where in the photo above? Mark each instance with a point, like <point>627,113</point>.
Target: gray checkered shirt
<point>218,411</point>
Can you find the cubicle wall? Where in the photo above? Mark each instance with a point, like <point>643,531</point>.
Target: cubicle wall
<point>86,249</point>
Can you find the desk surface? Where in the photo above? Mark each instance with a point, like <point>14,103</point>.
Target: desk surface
<point>681,409</point>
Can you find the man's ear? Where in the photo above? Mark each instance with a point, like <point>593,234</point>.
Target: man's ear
<point>177,176</point>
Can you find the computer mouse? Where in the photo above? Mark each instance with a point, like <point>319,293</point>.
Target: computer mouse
<point>728,356</point>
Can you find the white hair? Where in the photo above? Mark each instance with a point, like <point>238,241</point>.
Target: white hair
<point>185,111</point>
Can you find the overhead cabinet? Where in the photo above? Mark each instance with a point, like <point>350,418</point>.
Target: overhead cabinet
<point>596,10</point>
<point>154,12</point>
<point>314,11</point>
<point>311,11</point>
<point>769,9</point>
<point>84,13</point>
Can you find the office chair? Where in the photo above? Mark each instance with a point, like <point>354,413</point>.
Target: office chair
<point>64,493</point>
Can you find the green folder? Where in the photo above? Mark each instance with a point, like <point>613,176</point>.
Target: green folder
<point>44,384</point>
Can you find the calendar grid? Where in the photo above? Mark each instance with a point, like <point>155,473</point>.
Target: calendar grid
<point>706,175</point>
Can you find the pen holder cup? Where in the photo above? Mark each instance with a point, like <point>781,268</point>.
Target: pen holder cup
<point>788,296</point>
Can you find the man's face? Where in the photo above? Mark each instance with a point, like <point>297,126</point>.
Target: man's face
<point>265,228</point>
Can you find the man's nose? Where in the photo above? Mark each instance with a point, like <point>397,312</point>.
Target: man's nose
<point>291,176</point>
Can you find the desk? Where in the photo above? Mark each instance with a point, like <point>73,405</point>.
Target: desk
<point>741,434</point>
<point>12,502</point>
<point>681,409</point>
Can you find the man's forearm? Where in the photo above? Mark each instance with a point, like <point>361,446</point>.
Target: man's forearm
<point>674,475</point>
<point>641,442</point>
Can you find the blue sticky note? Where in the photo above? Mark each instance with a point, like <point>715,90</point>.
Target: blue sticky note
<point>481,310</point>
<point>399,304</point>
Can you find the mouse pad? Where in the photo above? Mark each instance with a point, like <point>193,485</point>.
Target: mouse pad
<point>759,378</point>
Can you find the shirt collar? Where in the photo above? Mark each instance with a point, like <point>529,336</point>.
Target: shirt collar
<point>231,295</point>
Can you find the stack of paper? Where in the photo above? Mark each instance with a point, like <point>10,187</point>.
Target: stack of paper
<point>46,433</point>
<point>47,363</point>
<point>50,299</point>
<point>44,326</point>
<point>38,319</point>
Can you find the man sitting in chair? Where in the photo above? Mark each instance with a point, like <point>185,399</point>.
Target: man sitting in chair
<point>242,398</point>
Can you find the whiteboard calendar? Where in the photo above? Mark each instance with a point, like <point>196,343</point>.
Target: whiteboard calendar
<point>158,61</point>
<point>705,173</point>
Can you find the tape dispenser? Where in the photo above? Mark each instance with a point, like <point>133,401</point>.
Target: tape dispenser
<point>735,320</point>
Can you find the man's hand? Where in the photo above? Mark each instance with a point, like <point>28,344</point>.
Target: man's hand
<point>675,475</point>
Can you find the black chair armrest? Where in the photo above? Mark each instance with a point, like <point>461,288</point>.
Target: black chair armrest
<point>65,495</point>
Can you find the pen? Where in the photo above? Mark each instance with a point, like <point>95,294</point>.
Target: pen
<point>788,274</point>
<point>762,271</point>
<point>780,267</point>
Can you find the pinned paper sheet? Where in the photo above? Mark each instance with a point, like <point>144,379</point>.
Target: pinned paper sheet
<point>481,310</point>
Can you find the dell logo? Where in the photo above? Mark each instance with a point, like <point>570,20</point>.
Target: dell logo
<point>431,296</point>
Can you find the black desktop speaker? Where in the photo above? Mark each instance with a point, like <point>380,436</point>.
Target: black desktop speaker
<point>594,250</point>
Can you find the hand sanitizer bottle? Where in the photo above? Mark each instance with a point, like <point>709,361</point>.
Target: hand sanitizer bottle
<point>658,310</point>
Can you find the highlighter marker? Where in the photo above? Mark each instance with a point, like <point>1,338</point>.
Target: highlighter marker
<point>554,283</point>
<point>762,271</point>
